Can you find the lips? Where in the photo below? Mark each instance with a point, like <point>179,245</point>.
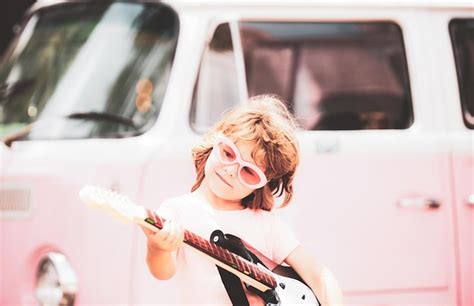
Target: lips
<point>222,179</point>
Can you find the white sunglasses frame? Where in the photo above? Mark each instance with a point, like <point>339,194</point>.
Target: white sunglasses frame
<point>238,160</point>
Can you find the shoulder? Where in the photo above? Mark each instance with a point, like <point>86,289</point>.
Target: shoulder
<point>272,219</point>
<point>259,215</point>
<point>265,215</point>
<point>174,206</point>
<point>263,219</point>
<point>181,200</point>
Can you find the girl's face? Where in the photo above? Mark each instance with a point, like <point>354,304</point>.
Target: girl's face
<point>222,178</point>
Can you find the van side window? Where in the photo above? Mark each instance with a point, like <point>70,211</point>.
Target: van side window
<point>462,37</point>
<point>88,70</point>
<point>335,76</point>
<point>216,88</point>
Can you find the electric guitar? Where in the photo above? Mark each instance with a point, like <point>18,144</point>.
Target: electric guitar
<point>279,286</point>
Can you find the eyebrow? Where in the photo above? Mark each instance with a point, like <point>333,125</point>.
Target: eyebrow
<point>262,165</point>
<point>251,160</point>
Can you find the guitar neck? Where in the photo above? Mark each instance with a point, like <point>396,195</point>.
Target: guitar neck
<point>245,270</point>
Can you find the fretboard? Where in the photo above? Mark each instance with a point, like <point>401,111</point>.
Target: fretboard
<point>222,255</point>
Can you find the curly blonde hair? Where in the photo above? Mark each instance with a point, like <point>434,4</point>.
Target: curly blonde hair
<point>265,121</point>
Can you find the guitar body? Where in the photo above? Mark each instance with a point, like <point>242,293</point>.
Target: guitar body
<point>291,291</point>
<point>291,288</point>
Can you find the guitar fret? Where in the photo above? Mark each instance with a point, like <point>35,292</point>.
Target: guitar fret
<point>266,278</point>
<point>234,260</point>
<point>201,243</point>
<point>208,246</point>
<point>214,248</point>
<point>196,240</point>
<point>247,269</point>
<point>255,271</point>
<point>240,264</point>
<point>270,280</point>
<point>222,252</point>
<point>187,235</point>
<point>263,276</point>
<point>228,256</point>
<point>193,239</point>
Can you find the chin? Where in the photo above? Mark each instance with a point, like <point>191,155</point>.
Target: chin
<point>226,194</point>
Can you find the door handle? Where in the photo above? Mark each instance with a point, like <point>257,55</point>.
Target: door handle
<point>421,202</point>
<point>470,200</point>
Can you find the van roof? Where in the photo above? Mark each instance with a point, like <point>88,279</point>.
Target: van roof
<point>333,3</point>
<point>325,3</point>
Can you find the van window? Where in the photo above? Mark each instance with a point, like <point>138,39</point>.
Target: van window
<point>217,87</point>
<point>462,37</point>
<point>335,76</point>
<point>84,70</point>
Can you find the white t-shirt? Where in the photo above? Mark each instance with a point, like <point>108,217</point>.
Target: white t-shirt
<point>197,276</point>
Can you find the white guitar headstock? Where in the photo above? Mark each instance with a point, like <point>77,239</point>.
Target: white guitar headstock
<point>116,204</point>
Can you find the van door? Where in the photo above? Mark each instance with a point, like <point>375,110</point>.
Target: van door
<point>461,119</point>
<point>371,196</point>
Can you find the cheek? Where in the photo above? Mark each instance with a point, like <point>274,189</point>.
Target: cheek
<point>242,191</point>
<point>210,165</point>
<point>239,191</point>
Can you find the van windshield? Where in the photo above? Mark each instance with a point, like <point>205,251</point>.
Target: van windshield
<point>87,70</point>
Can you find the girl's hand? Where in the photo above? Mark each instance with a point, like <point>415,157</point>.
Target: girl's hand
<point>319,278</point>
<point>168,239</point>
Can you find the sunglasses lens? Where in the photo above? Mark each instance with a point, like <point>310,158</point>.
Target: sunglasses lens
<point>249,176</point>
<point>226,153</point>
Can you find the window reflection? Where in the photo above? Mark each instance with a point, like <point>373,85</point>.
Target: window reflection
<point>462,36</point>
<point>217,87</point>
<point>335,76</point>
<point>87,59</point>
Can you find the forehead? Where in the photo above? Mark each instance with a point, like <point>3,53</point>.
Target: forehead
<point>249,152</point>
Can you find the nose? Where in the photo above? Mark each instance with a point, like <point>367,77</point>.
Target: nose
<point>231,170</point>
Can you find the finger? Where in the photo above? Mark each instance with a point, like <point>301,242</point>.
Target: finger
<point>155,217</point>
<point>164,233</point>
<point>151,215</point>
<point>180,235</point>
<point>172,232</point>
<point>176,236</point>
<point>147,231</point>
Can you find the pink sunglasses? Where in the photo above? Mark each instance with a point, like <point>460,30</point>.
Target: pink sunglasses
<point>227,153</point>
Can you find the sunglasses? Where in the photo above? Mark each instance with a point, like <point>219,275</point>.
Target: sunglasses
<point>250,175</point>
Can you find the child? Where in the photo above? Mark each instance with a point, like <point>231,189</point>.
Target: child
<point>249,157</point>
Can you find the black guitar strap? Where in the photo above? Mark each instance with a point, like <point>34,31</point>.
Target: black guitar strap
<point>232,283</point>
<point>234,288</point>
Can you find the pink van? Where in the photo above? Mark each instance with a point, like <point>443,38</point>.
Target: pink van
<point>116,93</point>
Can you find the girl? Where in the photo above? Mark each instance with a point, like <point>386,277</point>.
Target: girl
<point>243,163</point>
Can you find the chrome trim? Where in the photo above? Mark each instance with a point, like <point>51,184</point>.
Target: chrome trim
<point>420,202</point>
<point>470,200</point>
<point>68,282</point>
<point>15,201</point>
